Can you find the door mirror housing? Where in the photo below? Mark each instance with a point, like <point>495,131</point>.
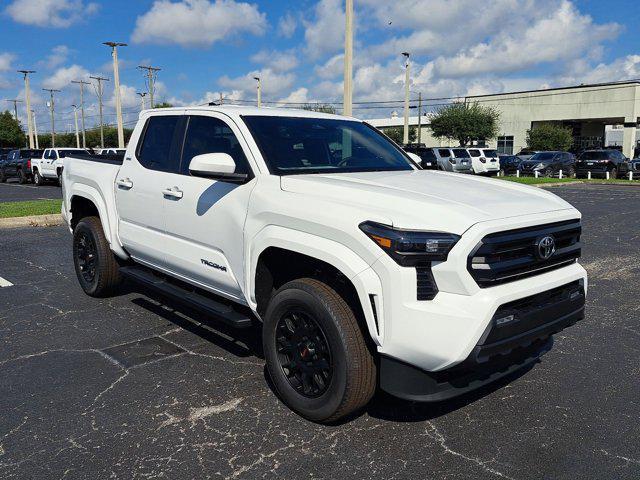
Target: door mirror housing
<point>217,166</point>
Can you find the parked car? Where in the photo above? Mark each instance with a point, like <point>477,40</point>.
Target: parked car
<point>509,164</point>
<point>111,151</point>
<point>4,152</point>
<point>548,164</point>
<point>526,154</point>
<point>453,159</point>
<point>428,159</point>
<point>50,165</point>
<point>18,165</point>
<point>484,161</point>
<point>358,271</point>
<point>599,162</point>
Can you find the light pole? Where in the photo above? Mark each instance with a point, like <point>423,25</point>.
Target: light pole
<point>259,87</point>
<point>35,128</point>
<point>27,95</point>
<point>75,118</point>
<point>347,107</point>
<point>116,80</point>
<point>419,115</point>
<point>51,110</point>
<point>15,107</point>
<point>152,73</point>
<point>142,95</point>
<point>405,137</point>
<point>99,93</point>
<point>82,83</point>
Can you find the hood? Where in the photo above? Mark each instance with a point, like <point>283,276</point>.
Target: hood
<point>423,199</point>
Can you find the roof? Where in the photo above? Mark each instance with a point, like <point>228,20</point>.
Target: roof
<point>598,86</point>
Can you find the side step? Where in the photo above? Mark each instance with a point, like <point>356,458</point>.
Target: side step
<point>218,310</point>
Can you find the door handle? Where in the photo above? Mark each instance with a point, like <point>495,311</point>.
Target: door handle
<point>173,192</point>
<point>125,183</point>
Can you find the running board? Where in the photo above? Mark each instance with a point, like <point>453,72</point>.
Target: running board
<point>218,310</point>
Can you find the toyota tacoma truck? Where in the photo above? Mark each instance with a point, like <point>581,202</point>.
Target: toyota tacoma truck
<point>361,269</point>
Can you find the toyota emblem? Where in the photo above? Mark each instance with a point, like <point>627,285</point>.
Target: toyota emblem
<point>546,247</point>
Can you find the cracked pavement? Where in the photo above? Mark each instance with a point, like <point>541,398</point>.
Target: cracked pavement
<point>131,387</point>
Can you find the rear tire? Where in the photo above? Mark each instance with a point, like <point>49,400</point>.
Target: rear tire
<point>3,178</point>
<point>96,266</point>
<point>613,173</point>
<point>22,177</point>
<point>315,352</point>
<point>37,179</point>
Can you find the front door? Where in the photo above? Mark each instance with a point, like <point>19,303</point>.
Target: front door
<point>139,188</point>
<point>205,218</point>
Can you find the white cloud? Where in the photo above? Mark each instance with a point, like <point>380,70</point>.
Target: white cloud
<point>198,23</point>
<point>287,26</point>
<point>6,61</point>
<point>50,13</point>
<point>332,68</point>
<point>274,84</point>
<point>63,76</point>
<point>300,95</point>
<point>325,33</point>
<point>57,57</point>
<point>624,68</point>
<point>277,61</point>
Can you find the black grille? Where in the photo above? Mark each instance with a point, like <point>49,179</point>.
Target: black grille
<point>427,288</point>
<point>508,256</point>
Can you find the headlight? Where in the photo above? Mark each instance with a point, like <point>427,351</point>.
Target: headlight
<point>410,248</point>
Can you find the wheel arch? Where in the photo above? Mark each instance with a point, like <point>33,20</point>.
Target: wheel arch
<point>278,254</point>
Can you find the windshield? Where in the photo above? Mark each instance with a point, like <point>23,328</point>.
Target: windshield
<point>31,153</point>
<point>292,145</point>
<point>540,157</point>
<point>70,153</point>
<point>460,153</point>
<point>594,156</point>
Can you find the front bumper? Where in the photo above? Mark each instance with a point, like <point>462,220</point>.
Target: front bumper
<point>503,348</point>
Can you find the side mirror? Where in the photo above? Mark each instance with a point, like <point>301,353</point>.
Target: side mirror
<point>217,166</point>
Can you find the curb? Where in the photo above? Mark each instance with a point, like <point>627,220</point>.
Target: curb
<point>32,221</point>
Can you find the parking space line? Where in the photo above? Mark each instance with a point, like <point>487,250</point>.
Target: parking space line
<point>5,283</point>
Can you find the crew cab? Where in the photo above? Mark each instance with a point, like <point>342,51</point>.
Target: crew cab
<point>18,165</point>
<point>50,165</point>
<point>358,268</point>
<point>484,161</point>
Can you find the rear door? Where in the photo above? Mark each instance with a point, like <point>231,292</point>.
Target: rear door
<point>139,188</point>
<point>48,169</point>
<point>205,219</point>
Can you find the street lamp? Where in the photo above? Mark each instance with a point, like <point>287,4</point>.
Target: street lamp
<point>116,81</point>
<point>405,138</point>
<point>259,87</point>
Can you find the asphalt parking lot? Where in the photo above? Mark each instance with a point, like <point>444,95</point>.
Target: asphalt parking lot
<point>12,191</point>
<point>128,387</point>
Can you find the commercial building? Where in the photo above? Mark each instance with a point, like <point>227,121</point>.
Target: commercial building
<point>590,111</point>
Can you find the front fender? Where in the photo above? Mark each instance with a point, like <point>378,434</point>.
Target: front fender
<point>365,281</point>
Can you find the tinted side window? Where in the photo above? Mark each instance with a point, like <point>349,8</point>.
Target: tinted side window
<point>444,152</point>
<point>159,147</point>
<point>474,153</point>
<point>211,135</point>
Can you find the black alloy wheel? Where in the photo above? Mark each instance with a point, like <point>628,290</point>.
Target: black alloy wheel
<point>303,353</point>
<point>86,256</point>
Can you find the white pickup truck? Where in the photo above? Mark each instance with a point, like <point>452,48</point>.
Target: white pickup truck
<point>50,166</point>
<point>360,269</point>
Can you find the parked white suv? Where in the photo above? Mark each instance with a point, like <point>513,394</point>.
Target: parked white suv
<point>50,166</point>
<point>484,160</point>
<point>453,159</point>
<point>358,268</point>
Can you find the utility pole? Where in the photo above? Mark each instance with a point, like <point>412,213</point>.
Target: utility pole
<point>152,74</point>
<point>419,117</point>
<point>52,109</point>
<point>142,95</point>
<point>75,117</point>
<point>221,99</point>
<point>99,93</point>
<point>82,83</point>
<point>347,108</point>
<point>116,80</point>
<point>27,95</point>
<point>405,137</point>
<point>35,128</point>
<point>259,87</point>
<point>15,107</point>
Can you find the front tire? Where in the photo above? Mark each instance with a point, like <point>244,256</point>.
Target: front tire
<point>315,352</point>
<point>613,173</point>
<point>96,266</point>
<point>3,177</point>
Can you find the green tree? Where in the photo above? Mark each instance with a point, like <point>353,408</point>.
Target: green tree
<point>466,122</point>
<point>549,136</point>
<point>11,134</point>
<point>397,134</point>
<point>163,105</point>
<point>322,108</point>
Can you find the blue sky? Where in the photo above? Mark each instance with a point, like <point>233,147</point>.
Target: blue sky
<point>208,47</point>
